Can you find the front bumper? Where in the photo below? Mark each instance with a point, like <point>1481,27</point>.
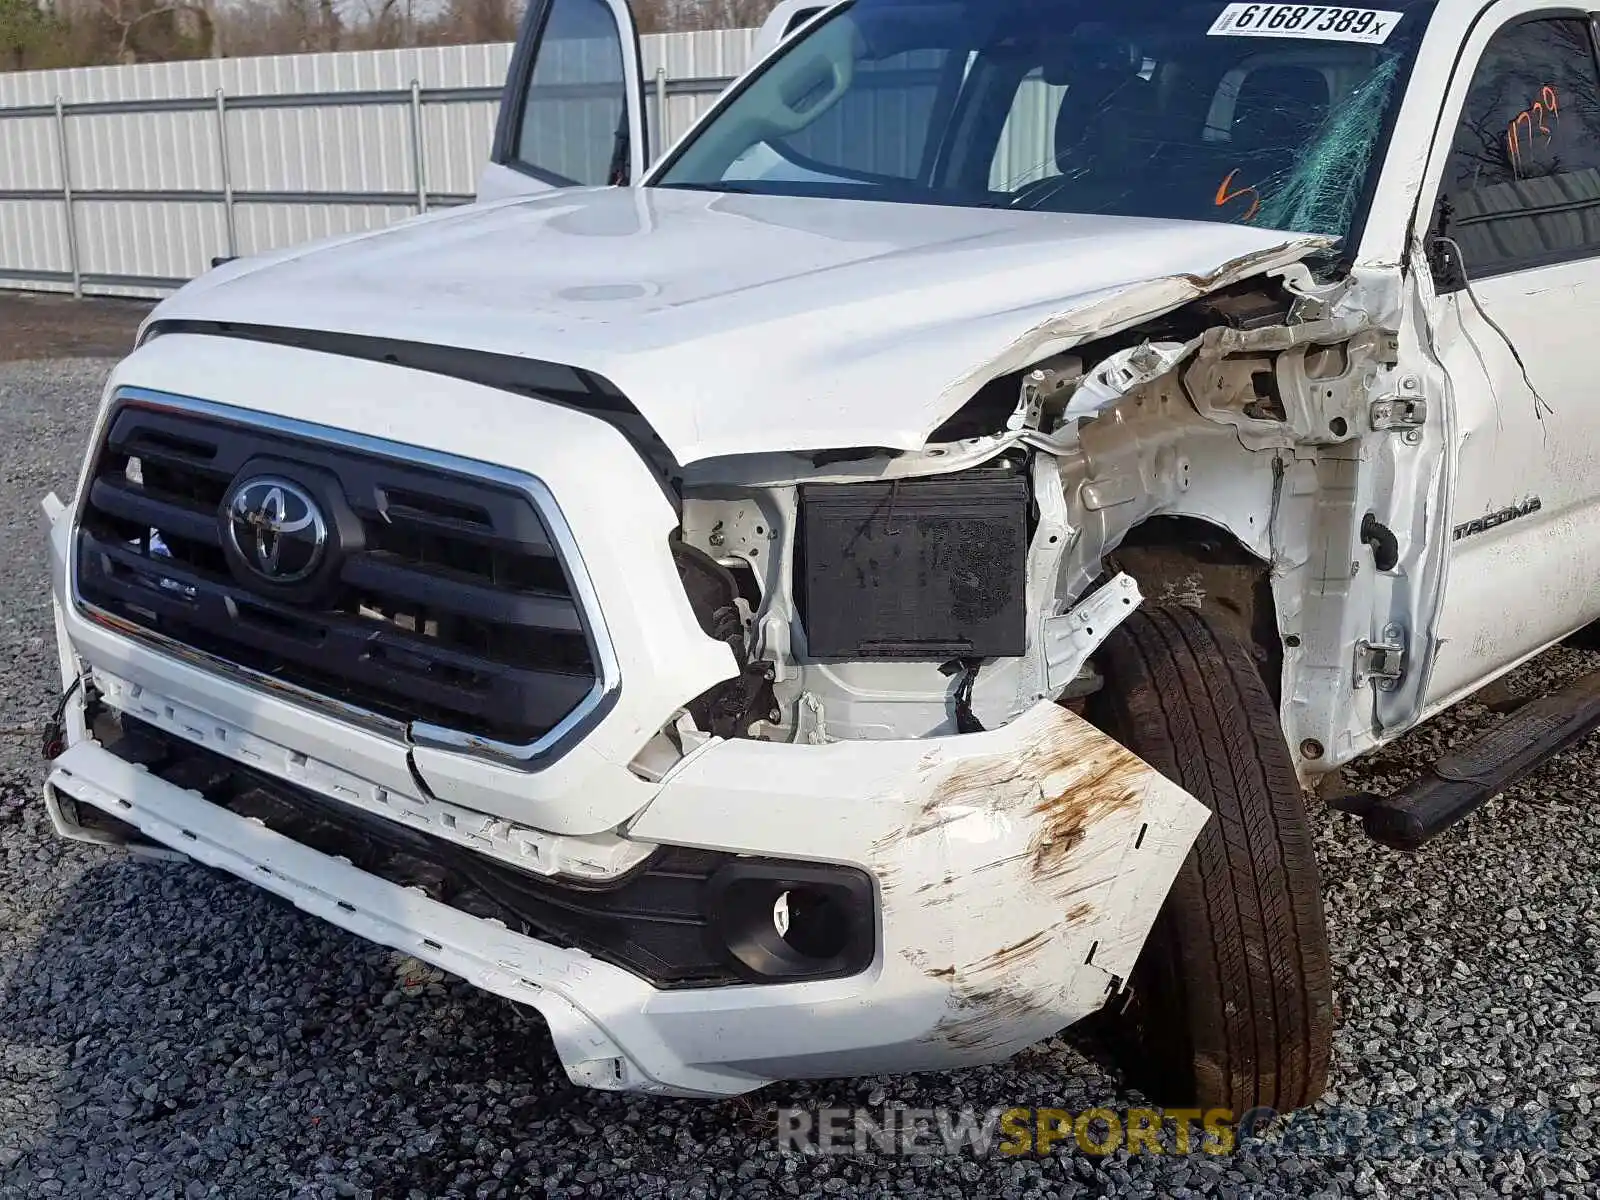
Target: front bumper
<point>1017,873</point>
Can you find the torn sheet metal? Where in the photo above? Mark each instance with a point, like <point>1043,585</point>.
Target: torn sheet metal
<point>1117,375</point>
<point>1071,638</point>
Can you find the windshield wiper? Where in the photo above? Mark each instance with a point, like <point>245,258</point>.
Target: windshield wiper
<point>740,189</point>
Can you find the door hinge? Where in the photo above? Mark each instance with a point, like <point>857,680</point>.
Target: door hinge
<point>1403,411</point>
<point>1383,662</point>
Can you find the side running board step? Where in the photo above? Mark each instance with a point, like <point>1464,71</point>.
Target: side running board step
<point>1461,781</point>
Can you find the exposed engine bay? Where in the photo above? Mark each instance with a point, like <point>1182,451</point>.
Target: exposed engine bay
<point>880,594</point>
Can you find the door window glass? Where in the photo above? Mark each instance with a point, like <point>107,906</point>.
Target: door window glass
<point>1522,186</point>
<point>574,118</point>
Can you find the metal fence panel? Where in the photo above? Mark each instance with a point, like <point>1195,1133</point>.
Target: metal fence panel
<point>33,239</point>
<point>298,132</point>
<point>28,155</point>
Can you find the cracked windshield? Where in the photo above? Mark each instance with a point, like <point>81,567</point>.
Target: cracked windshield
<point>1262,114</point>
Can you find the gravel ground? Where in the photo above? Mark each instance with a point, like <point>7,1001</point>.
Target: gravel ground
<point>165,1031</point>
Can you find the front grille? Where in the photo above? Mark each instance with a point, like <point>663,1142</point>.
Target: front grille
<point>444,599</point>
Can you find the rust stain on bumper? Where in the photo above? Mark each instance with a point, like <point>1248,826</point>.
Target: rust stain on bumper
<point>1020,852</point>
<point>1108,782</point>
<point>980,1018</point>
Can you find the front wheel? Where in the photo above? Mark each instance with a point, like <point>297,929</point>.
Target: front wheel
<point>1231,1000</point>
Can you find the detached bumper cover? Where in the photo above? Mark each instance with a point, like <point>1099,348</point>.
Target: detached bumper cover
<point>1017,872</point>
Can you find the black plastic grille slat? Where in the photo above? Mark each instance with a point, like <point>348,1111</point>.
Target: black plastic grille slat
<point>197,459</point>
<point>557,614</point>
<point>144,507</point>
<point>451,604</point>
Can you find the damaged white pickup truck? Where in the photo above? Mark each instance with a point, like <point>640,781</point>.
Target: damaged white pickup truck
<point>868,591</point>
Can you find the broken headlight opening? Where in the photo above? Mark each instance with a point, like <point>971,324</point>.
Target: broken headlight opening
<point>882,592</point>
<point>731,708</point>
<point>685,918</point>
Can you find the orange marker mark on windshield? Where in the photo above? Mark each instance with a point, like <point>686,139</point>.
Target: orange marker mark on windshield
<point>1225,197</point>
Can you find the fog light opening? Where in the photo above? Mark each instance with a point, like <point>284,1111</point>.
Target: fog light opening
<point>792,920</point>
<point>811,923</point>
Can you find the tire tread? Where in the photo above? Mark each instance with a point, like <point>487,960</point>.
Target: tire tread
<point>1234,988</point>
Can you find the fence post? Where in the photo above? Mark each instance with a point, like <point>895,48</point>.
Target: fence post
<point>661,112</point>
<point>227,173</point>
<point>66,198</point>
<point>418,159</point>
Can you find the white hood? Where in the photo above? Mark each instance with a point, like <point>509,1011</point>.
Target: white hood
<point>745,324</point>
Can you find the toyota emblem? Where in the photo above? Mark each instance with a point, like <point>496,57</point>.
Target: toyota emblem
<point>276,529</point>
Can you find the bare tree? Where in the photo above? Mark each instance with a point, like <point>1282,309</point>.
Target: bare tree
<point>37,33</point>
<point>25,33</point>
<point>158,29</point>
<point>480,20</point>
<point>665,16</point>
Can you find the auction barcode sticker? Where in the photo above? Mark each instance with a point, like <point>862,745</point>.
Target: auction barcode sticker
<point>1315,21</point>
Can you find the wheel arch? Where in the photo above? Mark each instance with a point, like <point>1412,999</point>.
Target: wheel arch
<point>1204,565</point>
